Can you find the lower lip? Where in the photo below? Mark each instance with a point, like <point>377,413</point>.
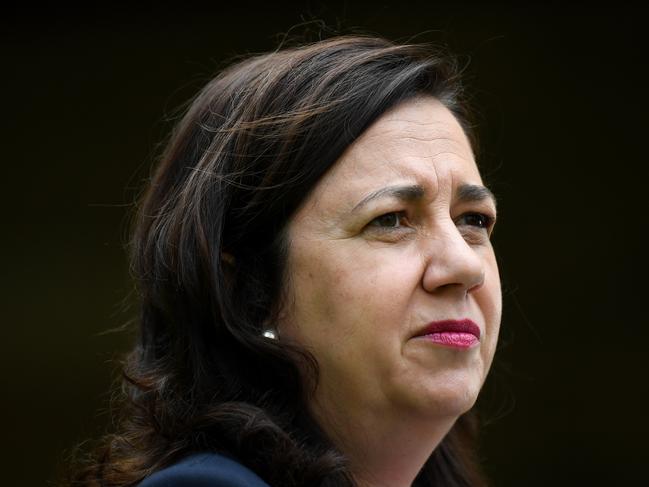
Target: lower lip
<point>453,339</point>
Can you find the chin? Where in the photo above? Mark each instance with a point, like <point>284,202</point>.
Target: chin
<point>448,395</point>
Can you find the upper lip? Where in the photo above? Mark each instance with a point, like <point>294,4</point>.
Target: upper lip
<point>461,326</point>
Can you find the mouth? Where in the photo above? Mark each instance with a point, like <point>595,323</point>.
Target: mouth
<point>451,333</point>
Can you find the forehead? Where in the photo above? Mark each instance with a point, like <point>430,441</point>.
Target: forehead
<point>419,141</point>
<point>416,123</point>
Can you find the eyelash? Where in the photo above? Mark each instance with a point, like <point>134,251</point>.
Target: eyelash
<point>484,221</point>
<point>399,214</point>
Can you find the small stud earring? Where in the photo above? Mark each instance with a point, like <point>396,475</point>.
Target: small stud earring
<point>272,334</point>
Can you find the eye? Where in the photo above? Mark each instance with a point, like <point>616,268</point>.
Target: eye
<point>479,220</point>
<point>389,220</point>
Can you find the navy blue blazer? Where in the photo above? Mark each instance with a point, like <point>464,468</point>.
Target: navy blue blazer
<point>204,470</point>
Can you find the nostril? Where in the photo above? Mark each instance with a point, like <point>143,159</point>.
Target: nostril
<point>458,287</point>
<point>477,284</point>
<point>475,287</point>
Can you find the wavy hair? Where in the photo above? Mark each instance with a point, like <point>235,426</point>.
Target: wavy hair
<point>208,254</point>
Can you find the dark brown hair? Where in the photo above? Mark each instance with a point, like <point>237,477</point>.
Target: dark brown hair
<point>208,252</point>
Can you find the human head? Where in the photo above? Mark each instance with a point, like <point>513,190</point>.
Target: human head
<point>394,240</point>
<point>210,246</point>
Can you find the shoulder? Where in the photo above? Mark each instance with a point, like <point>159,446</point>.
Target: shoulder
<point>204,470</point>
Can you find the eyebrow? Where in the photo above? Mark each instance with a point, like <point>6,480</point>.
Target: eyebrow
<point>415,192</point>
<point>474,193</point>
<point>409,193</point>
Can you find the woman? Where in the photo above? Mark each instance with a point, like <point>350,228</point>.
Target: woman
<point>320,298</point>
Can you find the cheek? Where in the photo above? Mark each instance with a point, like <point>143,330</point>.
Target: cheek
<point>343,297</point>
<point>490,302</point>
<point>315,285</point>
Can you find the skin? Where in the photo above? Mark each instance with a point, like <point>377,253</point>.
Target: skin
<point>363,280</point>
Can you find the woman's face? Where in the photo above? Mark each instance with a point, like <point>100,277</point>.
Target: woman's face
<point>394,238</point>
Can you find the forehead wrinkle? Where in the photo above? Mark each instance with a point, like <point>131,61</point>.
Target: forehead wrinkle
<point>404,133</point>
<point>436,146</point>
<point>413,124</point>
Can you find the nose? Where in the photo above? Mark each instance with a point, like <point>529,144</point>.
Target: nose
<point>452,263</point>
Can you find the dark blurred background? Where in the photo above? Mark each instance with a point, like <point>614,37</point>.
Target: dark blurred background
<point>561,92</point>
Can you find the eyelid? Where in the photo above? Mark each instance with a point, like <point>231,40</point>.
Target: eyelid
<point>483,209</point>
<point>401,214</point>
<point>402,231</point>
<point>475,230</point>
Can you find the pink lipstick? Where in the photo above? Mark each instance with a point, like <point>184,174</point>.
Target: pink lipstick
<point>452,333</point>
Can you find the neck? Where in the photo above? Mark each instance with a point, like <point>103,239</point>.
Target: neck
<point>385,452</point>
